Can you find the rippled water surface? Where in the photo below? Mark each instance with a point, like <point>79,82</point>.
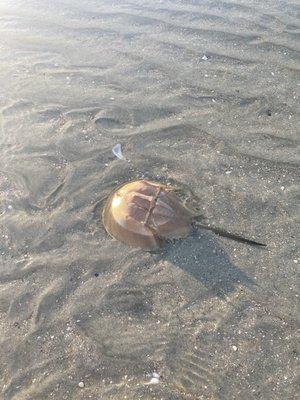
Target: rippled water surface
<point>200,93</point>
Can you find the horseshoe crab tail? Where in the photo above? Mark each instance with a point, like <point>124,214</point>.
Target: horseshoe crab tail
<point>222,232</point>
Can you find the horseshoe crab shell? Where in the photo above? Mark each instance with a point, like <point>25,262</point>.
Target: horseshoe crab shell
<point>143,213</point>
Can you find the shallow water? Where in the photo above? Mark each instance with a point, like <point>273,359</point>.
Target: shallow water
<point>200,93</point>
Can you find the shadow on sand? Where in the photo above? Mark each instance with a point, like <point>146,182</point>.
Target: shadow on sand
<point>201,256</point>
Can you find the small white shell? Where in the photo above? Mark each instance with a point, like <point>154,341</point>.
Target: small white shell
<point>154,381</point>
<point>117,151</point>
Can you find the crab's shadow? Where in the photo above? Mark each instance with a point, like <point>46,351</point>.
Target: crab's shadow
<point>202,256</point>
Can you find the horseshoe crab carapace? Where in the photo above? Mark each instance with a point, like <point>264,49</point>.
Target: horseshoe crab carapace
<point>147,214</point>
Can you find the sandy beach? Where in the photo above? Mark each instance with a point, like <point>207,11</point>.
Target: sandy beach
<point>201,94</point>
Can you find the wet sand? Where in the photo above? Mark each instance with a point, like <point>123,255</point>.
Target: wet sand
<point>200,93</point>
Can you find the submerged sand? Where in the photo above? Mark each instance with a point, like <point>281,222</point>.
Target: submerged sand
<point>203,94</point>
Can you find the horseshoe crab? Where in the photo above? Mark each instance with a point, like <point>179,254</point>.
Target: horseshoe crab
<point>147,214</point>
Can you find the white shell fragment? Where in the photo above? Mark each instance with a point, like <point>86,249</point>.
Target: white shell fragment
<point>117,151</point>
<point>155,379</point>
<point>204,57</point>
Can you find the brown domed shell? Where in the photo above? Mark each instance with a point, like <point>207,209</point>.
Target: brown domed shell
<point>143,214</point>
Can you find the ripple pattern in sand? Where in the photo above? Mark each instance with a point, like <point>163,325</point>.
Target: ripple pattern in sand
<point>203,93</point>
